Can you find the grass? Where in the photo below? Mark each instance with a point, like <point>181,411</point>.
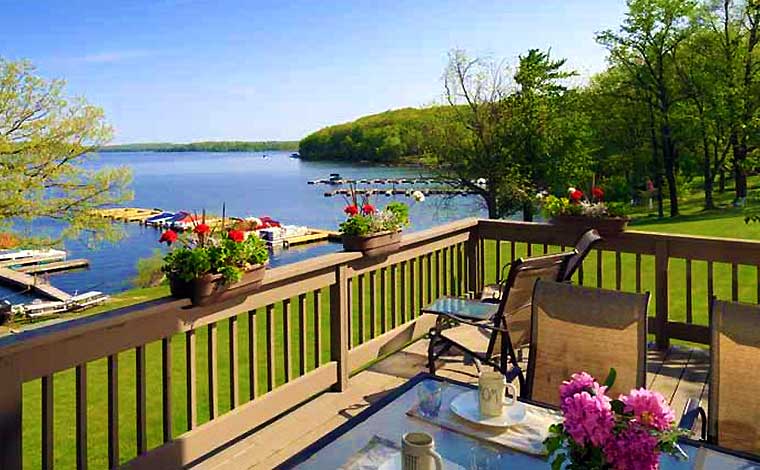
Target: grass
<point>726,221</point>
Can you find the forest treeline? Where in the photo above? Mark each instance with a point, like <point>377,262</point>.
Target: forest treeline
<point>211,146</point>
<point>678,105</point>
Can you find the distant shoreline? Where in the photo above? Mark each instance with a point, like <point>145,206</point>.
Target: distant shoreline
<point>217,146</point>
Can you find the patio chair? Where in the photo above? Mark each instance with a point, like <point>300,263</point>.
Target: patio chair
<point>583,246</point>
<point>507,326</point>
<point>578,329</point>
<point>734,408</point>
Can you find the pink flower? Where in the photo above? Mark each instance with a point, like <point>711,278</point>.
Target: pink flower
<point>588,419</point>
<point>649,408</point>
<point>579,382</point>
<point>633,449</point>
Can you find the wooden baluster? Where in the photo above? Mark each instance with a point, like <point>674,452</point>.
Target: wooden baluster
<point>429,275</point>
<point>233,351</point>
<point>599,268</point>
<point>394,294</point>
<point>421,283</point>
<point>383,292</point>
<point>412,288</point>
<point>287,343</point>
<point>302,334</point>
<point>253,378</point>
<point>757,276</point>
<point>452,271</point>
<point>372,304</point>
<point>339,327</point>
<point>80,387</point>
<point>512,252</point>
<point>113,411</point>
<point>661,289</point>
<point>734,282</point>
<point>481,265</point>
<point>317,328</point>
<point>350,302</point>
<point>618,271</point>
<point>213,384</point>
<point>546,248</point>
<point>141,401</point>
<point>710,286</point>
<point>403,291</point>
<point>437,274</point>
<point>191,387</point>
<point>462,284</point>
<point>497,270</point>
<point>530,250</point>
<point>638,273</point>
<point>271,355</point>
<point>166,388</point>
<point>360,295</point>
<point>689,318</point>
<point>47,422</point>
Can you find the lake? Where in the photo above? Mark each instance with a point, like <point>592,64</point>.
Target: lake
<point>249,185</point>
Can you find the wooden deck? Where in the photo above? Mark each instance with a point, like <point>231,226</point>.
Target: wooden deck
<point>679,373</point>
<point>25,281</point>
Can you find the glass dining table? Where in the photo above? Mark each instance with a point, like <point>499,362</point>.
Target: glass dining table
<point>388,419</point>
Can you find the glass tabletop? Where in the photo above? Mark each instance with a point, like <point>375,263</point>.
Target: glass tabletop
<point>465,308</point>
<point>388,420</point>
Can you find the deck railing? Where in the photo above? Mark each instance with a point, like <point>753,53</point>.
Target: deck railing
<point>163,384</point>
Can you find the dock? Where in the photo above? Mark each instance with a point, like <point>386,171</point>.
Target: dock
<point>33,260</point>
<point>399,192</point>
<point>55,266</point>
<point>26,281</point>
<point>127,214</point>
<point>313,236</point>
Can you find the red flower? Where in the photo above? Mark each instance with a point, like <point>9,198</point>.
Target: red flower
<point>597,192</point>
<point>236,235</point>
<point>202,229</point>
<point>576,195</point>
<point>170,236</point>
<point>351,210</point>
<point>368,209</point>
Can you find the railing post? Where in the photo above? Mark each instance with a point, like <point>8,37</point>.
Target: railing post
<point>471,257</point>
<point>339,326</point>
<point>10,420</point>
<point>662,340</point>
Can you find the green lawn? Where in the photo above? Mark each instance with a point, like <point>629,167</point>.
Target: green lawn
<point>727,222</point>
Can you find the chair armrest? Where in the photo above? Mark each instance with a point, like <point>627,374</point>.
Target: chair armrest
<point>692,411</point>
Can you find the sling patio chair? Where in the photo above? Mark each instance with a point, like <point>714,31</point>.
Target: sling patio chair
<point>578,329</point>
<point>584,244</point>
<point>507,324</point>
<point>734,407</point>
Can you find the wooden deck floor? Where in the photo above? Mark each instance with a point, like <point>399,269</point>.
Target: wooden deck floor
<point>678,374</point>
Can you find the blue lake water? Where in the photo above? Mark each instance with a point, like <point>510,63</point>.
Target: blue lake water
<point>249,185</point>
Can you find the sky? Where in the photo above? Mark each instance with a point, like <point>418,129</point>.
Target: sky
<point>190,70</point>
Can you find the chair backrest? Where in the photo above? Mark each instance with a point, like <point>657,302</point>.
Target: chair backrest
<point>584,329</point>
<point>514,308</point>
<point>734,408</point>
<point>582,247</point>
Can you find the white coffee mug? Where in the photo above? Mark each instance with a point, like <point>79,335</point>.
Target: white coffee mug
<point>417,452</point>
<point>492,387</point>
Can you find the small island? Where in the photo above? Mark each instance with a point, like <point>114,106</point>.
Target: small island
<point>209,146</point>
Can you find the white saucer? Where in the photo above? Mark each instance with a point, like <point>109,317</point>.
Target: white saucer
<point>467,406</point>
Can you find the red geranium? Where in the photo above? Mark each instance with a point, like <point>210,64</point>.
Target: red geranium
<point>368,209</point>
<point>236,235</point>
<point>170,236</point>
<point>351,210</point>
<point>597,192</point>
<point>576,195</point>
<point>202,229</point>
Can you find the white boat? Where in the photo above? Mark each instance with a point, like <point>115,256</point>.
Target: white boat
<point>40,308</point>
<point>279,235</point>
<point>17,255</point>
<point>86,300</point>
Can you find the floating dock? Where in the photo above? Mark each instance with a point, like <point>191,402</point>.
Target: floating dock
<point>336,180</point>
<point>127,214</point>
<point>55,266</point>
<point>26,281</point>
<point>399,192</point>
<point>313,236</point>
<point>33,260</point>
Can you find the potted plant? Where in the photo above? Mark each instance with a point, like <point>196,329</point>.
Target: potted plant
<point>600,433</point>
<point>210,267</point>
<point>581,213</point>
<point>369,230</point>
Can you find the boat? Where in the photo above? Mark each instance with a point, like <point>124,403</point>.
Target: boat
<point>40,308</point>
<point>86,300</point>
<point>281,235</point>
<point>18,255</point>
<point>295,155</point>
<point>186,222</point>
<point>158,219</point>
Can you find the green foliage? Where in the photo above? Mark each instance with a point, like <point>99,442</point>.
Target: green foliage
<point>45,141</point>
<point>212,146</point>
<point>359,225</point>
<point>394,217</point>
<point>149,270</point>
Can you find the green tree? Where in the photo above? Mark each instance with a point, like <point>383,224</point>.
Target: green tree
<point>45,139</point>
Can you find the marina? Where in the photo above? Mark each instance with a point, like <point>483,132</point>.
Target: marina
<point>56,266</point>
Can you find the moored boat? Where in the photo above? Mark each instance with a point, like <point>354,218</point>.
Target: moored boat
<point>86,300</point>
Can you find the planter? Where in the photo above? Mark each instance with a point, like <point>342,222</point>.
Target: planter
<point>211,288</point>
<point>5,314</point>
<point>179,288</point>
<point>378,244</point>
<point>606,226</point>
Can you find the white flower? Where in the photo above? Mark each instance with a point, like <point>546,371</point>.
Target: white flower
<point>418,196</point>
<point>481,182</point>
<point>389,192</point>
<point>570,190</point>
<point>540,195</point>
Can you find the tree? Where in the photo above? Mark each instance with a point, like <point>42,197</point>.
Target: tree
<point>45,140</point>
<point>647,47</point>
<point>508,136</point>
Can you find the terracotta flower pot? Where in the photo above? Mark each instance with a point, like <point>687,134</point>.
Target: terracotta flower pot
<point>606,226</point>
<point>179,288</point>
<point>378,244</point>
<point>211,288</point>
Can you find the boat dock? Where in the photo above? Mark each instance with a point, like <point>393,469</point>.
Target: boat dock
<point>26,281</point>
<point>399,192</point>
<point>313,236</point>
<point>54,266</point>
<point>337,180</point>
<point>127,214</point>
<point>33,260</point>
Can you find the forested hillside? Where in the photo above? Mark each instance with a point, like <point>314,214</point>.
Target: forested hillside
<point>218,146</point>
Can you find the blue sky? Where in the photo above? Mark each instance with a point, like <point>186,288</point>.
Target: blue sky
<point>186,70</point>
